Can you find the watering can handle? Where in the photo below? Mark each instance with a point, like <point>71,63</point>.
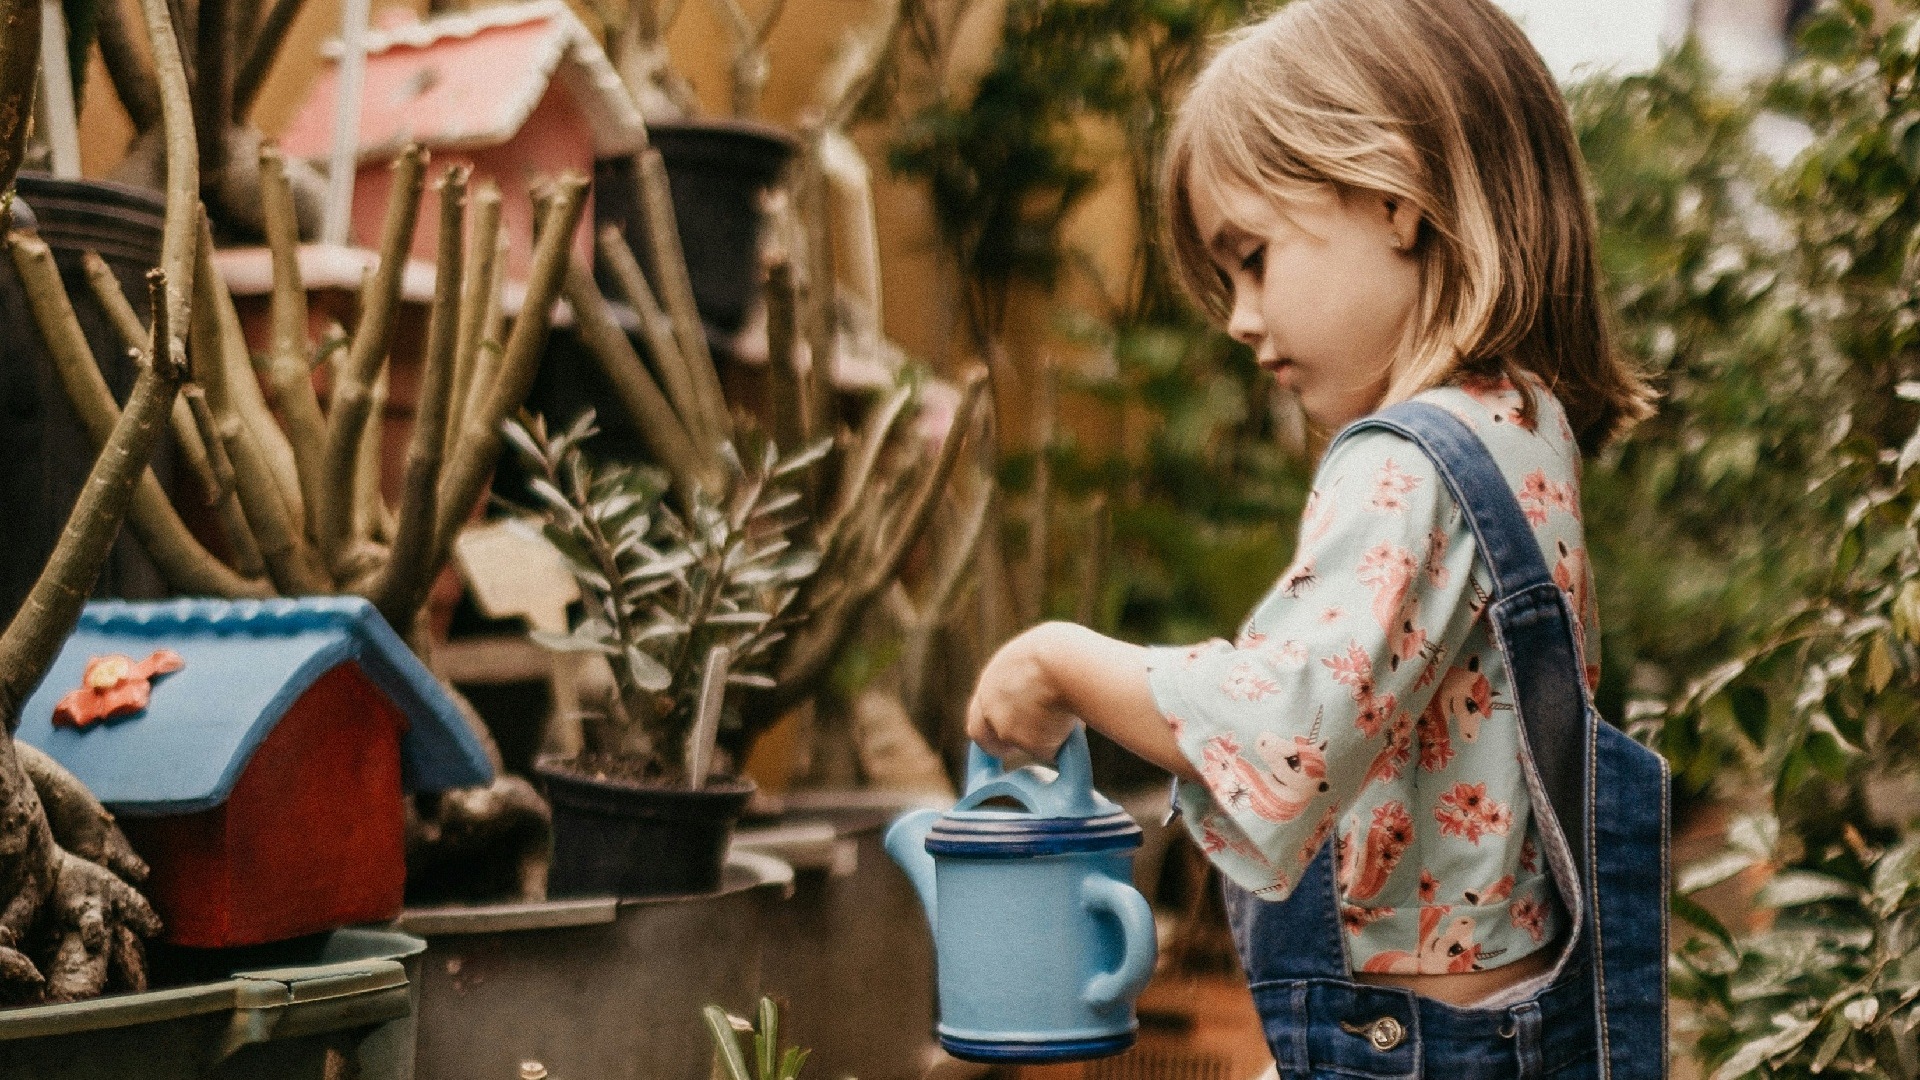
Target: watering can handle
<point>1100,893</point>
<point>1072,762</point>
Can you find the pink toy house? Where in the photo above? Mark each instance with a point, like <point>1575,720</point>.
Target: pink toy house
<point>517,91</point>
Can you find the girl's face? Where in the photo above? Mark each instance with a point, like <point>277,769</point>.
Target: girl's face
<point>1323,286</point>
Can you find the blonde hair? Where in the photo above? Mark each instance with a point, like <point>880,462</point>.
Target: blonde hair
<point>1443,104</point>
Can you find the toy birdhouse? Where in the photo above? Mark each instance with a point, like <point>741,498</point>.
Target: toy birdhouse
<point>255,753</point>
<point>516,91</point>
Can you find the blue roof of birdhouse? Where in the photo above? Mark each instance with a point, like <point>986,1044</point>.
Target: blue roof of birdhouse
<point>248,661</point>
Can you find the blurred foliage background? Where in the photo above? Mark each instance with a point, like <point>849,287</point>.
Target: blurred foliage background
<point>1755,541</point>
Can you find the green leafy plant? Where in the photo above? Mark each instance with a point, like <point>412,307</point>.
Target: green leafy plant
<point>1833,986</point>
<point>664,588</point>
<point>769,1061</point>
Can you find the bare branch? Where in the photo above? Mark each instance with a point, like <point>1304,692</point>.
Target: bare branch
<point>133,79</point>
<point>676,291</point>
<point>372,520</point>
<point>180,234</point>
<point>261,53</point>
<point>477,288</point>
<point>657,330</point>
<point>19,67</point>
<point>639,394</point>
<point>32,640</point>
<point>290,357</point>
<point>133,335</point>
<point>860,467</point>
<point>290,563</point>
<point>181,560</point>
<point>792,412</point>
<point>213,79</point>
<point>235,386</point>
<point>223,491</point>
<point>819,640</point>
<point>479,444</point>
<point>401,586</point>
<point>348,408</point>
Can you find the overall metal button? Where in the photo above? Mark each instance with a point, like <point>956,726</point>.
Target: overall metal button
<point>1383,1034</point>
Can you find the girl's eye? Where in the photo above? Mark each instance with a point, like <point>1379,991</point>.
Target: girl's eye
<point>1255,260</point>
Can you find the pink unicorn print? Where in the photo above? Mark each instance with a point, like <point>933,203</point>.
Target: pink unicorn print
<point>1446,948</point>
<point>1465,698</point>
<point>1387,839</point>
<point>1573,572</point>
<point>1297,775</point>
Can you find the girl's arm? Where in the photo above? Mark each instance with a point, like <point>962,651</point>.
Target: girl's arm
<point>1034,688</point>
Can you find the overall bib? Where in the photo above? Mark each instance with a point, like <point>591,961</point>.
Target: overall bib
<point>1601,802</point>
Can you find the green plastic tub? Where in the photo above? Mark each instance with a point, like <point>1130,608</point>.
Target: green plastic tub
<point>347,1004</point>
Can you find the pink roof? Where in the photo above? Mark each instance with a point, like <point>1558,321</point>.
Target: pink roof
<point>471,80</point>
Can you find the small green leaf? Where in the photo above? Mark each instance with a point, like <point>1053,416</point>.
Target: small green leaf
<point>726,1044</point>
<point>1906,611</point>
<point>1713,870</point>
<point>1879,664</point>
<point>647,673</point>
<point>1749,711</point>
<point>1792,888</point>
<point>1830,1047</point>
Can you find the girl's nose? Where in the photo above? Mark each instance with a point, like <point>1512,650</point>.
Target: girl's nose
<point>1244,323</point>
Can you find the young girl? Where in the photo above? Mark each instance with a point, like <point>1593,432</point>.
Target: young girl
<point>1438,861</point>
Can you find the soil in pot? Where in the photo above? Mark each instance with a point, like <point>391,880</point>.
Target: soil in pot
<point>615,834</point>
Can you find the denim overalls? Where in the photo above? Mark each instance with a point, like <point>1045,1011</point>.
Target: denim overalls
<point>1601,803</point>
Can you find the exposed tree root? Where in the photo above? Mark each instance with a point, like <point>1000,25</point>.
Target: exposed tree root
<point>72,928</point>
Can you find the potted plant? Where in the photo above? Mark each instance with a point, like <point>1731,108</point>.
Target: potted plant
<point>682,603</point>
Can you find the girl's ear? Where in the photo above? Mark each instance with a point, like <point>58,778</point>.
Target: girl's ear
<point>1403,221</point>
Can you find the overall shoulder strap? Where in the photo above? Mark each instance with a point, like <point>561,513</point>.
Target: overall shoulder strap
<point>1476,483</point>
<point>1531,621</point>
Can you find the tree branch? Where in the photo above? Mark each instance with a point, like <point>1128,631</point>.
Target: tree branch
<point>32,640</point>
<point>133,335</point>
<point>657,331</point>
<point>479,444</point>
<point>639,394</point>
<point>261,53</point>
<point>676,290</point>
<point>478,284</point>
<point>181,560</point>
<point>352,388</point>
<point>224,490</point>
<point>290,358</point>
<point>133,79</point>
<point>213,86</point>
<point>237,386</point>
<point>289,562</point>
<point>180,234</point>
<point>402,583</point>
<point>19,67</point>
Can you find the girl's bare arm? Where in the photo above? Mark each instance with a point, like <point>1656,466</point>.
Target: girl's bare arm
<point>1033,689</point>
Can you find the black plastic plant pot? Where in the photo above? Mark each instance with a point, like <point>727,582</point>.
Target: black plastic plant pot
<point>616,838</point>
<point>717,170</point>
<point>46,450</point>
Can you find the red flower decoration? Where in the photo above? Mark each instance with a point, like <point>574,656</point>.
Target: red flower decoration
<point>114,685</point>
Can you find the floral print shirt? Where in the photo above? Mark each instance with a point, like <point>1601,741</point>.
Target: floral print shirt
<point>1365,700</point>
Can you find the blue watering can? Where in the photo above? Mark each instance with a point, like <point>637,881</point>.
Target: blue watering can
<point>1040,939</point>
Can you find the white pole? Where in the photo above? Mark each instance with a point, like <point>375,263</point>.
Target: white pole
<point>56,85</point>
<point>343,161</point>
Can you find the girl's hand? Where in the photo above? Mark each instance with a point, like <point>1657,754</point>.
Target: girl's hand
<point>1016,705</point>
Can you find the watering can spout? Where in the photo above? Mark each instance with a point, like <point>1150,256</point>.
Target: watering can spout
<point>906,841</point>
